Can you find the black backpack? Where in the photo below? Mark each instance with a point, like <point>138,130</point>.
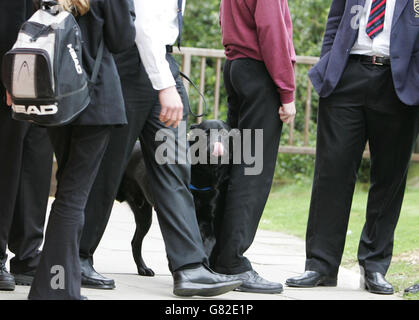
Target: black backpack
<point>43,71</point>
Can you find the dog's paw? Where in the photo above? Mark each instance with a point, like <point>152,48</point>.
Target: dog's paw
<point>145,272</point>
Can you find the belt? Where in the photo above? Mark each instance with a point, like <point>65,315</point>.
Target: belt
<point>169,49</point>
<point>375,60</point>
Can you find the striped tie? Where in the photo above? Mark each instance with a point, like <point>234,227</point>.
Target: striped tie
<point>376,19</point>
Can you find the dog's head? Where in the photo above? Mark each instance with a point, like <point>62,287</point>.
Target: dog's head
<point>211,124</point>
<point>215,134</point>
<point>210,143</point>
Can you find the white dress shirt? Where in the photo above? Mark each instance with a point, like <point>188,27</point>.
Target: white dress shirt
<point>380,45</point>
<point>157,25</point>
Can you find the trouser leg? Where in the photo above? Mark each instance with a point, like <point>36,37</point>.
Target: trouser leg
<point>26,234</point>
<point>12,136</point>
<point>139,98</point>
<point>253,104</point>
<point>170,187</point>
<point>79,152</point>
<point>391,140</point>
<point>341,139</point>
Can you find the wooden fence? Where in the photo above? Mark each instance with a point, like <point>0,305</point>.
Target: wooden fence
<point>206,54</point>
<point>187,53</point>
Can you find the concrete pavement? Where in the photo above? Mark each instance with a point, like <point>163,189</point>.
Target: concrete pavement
<point>276,256</point>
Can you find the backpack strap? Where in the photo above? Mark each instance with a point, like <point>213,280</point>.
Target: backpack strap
<point>98,62</point>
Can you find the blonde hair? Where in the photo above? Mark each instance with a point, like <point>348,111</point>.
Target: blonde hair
<point>77,7</point>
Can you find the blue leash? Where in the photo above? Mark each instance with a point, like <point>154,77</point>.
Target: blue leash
<point>192,187</point>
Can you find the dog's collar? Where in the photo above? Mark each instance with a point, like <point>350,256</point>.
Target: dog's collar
<point>192,187</point>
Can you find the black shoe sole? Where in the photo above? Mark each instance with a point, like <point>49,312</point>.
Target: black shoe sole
<point>98,287</point>
<point>322,283</point>
<point>263,291</point>
<point>23,280</point>
<point>7,286</point>
<point>205,290</point>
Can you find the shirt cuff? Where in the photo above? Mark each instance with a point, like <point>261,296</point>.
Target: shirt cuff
<point>162,81</point>
<point>286,96</point>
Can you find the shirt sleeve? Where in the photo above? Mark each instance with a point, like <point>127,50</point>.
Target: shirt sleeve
<point>149,26</point>
<point>274,29</point>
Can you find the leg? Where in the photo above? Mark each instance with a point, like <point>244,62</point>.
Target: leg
<point>391,138</point>
<point>175,210</point>
<point>79,152</point>
<point>106,185</point>
<point>139,97</point>
<point>143,218</point>
<point>102,198</point>
<point>12,136</point>
<point>134,189</point>
<point>253,104</point>
<point>253,107</point>
<point>27,230</point>
<point>341,140</point>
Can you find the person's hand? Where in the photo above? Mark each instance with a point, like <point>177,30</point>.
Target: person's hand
<point>287,112</point>
<point>171,107</point>
<point>9,100</point>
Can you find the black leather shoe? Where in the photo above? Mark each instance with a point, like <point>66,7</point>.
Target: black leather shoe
<point>376,283</point>
<point>412,289</point>
<point>92,279</point>
<point>24,279</point>
<point>310,279</point>
<point>7,281</point>
<point>253,282</point>
<point>202,281</point>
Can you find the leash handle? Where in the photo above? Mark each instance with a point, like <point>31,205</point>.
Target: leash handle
<point>201,95</point>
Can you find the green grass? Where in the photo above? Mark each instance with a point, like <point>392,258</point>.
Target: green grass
<point>287,211</point>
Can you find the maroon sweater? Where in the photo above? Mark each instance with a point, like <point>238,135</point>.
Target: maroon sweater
<point>261,30</point>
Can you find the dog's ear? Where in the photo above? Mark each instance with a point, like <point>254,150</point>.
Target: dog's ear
<point>225,126</point>
<point>191,128</point>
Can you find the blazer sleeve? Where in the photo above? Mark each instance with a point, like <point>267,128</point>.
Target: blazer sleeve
<point>336,12</point>
<point>119,29</point>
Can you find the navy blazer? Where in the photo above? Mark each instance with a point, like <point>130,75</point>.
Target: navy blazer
<point>340,37</point>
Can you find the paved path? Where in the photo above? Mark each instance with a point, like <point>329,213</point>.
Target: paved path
<point>275,256</point>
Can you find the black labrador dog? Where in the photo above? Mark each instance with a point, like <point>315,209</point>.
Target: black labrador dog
<point>209,183</point>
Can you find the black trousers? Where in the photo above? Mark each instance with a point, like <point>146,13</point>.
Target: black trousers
<point>364,107</point>
<point>79,151</point>
<point>170,182</point>
<point>25,171</point>
<point>253,103</point>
